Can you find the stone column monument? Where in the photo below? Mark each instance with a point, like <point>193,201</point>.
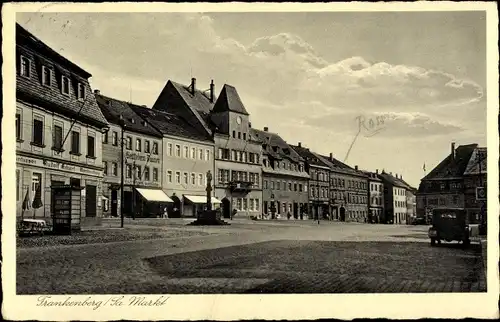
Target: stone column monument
<point>209,217</point>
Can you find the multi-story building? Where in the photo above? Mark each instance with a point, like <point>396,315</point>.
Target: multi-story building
<point>58,129</point>
<point>188,155</point>
<point>394,199</point>
<point>285,181</point>
<point>142,153</point>
<point>238,172</point>
<point>348,191</point>
<point>456,182</point>
<point>375,197</point>
<point>447,186</point>
<point>319,182</point>
<point>411,201</point>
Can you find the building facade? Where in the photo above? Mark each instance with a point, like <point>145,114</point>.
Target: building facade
<point>375,197</point>
<point>58,130</point>
<point>188,156</point>
<point>475,184</point>
<point>142,153</point>
<point>319,182</point>
<point>447,186</point>
<point>394,199</point>
<point>285,182</point>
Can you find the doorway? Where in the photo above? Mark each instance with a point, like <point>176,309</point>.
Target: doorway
<point>226,208</point>
<point>90,201</point>
<point>114,203</point>
<point>342,214</point>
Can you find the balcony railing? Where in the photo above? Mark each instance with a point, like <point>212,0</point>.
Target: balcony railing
<point>240,186</point>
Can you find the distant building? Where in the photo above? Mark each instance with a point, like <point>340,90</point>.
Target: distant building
<point>459,181</point>
<point>394,199</point>
<point>319,182</point>
<point>143,161</point>
<point>375,197</point>
<point>285,181</point>
<point>188,155</point>
<point>348,191</point>
<point>238,172</point>
<point>58,130</point>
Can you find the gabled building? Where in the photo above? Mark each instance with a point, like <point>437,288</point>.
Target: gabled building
<point>58,130</point>
<point>285,181</point>
<point>348,191</point>
<point>188,155</point>
<point>319,182</point>
<point>238,173</point>
<point>142,149</point>
<point>394,199</point>
<point>456,182</point>
<point>375,197</point>
<point>411,200</point>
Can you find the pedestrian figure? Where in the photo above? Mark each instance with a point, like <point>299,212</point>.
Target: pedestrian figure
<point>288,215</point>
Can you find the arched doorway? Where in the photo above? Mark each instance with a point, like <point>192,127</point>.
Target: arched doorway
<point>342,214</point>
<point>175,211</point>
<point>226,208</point>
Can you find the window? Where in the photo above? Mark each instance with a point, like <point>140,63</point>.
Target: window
<point>105,137</point>
<point>155,174</point>
<point>90,146</point>
<point>114,138</point>
<point>105,166</point>
<point>290,186</point>
<point>36,181</point>
<point>193,153</point>
<point>177,177</point>
<point>46,76</point>
<point>138,174</point>
<point>75,142</point>
<point>146,173</point>
<point>193,179</point>
<point>200,154</point>
<point>300,187</point>
<point>129,143</point>
<point>65,85</point>
<point>256,204</point>
<point>294,187</point>
<point>138,145</point>
<point>244,136</point>
<point>200,179</point>
<point>25,67</point>
<point>233,155</point>
<point>38,131</point>
<point>239,135</point>
<point>238,203</point>
<point>234,134</point>
<point>114,169</point>
<point>186,152</point>
<point>169,176</point>
<point>18,126</point>
<point>305,187</point>
<point>207,155</point>
<point>178,150</point>
<point>129,171</point>
<point>155,148</point>
<point>186,181</point>
<point>81,91</point>
<point>147,147</point>
<point>252,205</point>
<point>245,205</point>
<point>265,184</point>
<point>57,137</point>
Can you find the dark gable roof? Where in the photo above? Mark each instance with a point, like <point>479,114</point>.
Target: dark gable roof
<point>229,100</point>
<point>449,168</point>
<point>170,124</point>
<point>386,177</point>
<point>113,108</point>
<point>478,162</point>
<point>50,97</point>
<point>310,157</point>
<point>371,175</point>
<point>275,146</point>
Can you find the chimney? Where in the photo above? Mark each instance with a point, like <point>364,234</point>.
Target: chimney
<point>331,156</point>
<point>266,129</point>
<point>193,85</point>
<point>356,167</point>
<point>453,150</point>
<point>300,144</point>
<point>212,86</point>
<point>97,92</point>
<point>376,171</point>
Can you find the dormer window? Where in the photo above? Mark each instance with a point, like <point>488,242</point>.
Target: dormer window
<point>81,91</point>
<point>65,85</point>
<point>25,67</point>
<point>46,76</point>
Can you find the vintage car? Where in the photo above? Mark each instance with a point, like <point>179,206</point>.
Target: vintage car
<point>451,224</point>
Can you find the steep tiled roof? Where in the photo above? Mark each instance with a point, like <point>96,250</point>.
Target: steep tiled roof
<point>50,97</point>
<point>229,100</point>
<point>371,175</point>
<point>310,157</point>
<point>477,163</point>
<point>275,146</point>
<point>170,124</point>
<point>453,167</point>
<point>386,177</point>
<point>113,108</point>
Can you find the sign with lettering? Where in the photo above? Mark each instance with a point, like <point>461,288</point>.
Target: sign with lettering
<point>49,164</point>
<point>141,157</point>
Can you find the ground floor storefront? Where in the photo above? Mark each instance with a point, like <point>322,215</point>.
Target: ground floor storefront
<point>286,209</point>
<point>35,175</point>
<point>375,215</point>
<point>239,203</point>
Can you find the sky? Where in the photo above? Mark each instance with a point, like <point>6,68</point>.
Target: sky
<point>381,90</point>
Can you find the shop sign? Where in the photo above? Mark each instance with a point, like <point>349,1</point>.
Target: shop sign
<point>57,165</point>
<point>141,157</point>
